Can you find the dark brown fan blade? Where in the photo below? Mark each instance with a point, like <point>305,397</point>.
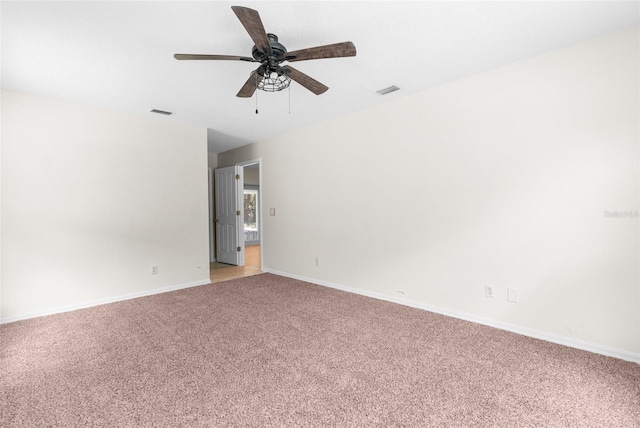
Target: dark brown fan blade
<point>306,81</point>
<point>213,57</point>
<point>251,21</point>
<point>335,50</point>
<point>249,86</point>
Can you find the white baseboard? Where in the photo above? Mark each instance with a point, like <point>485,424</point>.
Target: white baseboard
<point>104,301</point>
<point>560,340</point>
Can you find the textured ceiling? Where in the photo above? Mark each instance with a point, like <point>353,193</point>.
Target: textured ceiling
<point>119,55</point>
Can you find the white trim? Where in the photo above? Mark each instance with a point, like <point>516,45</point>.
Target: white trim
<point>549,337</point>
<point>258,161</point>
<point>105,301</point>
<point>212,238</point>
<point>249,162</point>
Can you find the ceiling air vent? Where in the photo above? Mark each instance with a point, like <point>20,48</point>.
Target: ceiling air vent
<point>388,90</point>
<point>166,113</point>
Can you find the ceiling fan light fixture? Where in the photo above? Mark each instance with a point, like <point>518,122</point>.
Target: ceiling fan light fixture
<point>273,82</point>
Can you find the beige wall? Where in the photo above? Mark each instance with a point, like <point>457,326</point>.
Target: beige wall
<point>212,160</point>
<point>500,179</point>
<point>91,199</point>
<point>251,176</point>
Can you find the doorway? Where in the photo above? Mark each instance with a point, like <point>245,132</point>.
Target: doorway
<point>249,228</point>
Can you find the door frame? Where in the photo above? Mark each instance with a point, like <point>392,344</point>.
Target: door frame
<point>257,161</point>
<point>212,215</point>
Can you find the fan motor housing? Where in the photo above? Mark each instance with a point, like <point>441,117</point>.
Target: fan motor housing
<point>277,49</point>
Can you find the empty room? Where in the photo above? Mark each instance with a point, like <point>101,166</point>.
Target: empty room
<point>320,213</point>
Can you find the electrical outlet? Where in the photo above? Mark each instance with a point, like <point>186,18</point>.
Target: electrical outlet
<point>488,291</point>
<point>272,211</point>
<point>317,261</point>
<point>154,270</point>
<point>512,295</point>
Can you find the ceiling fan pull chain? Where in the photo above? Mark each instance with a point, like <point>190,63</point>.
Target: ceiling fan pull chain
<point>289,99</point>
<point>256,93</point>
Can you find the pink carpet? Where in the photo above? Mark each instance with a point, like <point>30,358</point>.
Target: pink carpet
<point>270,351</point>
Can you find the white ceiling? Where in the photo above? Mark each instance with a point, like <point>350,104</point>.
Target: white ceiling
<point>119,55</point>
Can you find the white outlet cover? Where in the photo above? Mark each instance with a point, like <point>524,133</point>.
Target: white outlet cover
<point>512,295</point>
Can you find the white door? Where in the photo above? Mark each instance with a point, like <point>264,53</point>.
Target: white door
<point>229,184</point>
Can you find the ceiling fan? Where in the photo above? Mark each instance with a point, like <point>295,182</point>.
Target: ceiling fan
<point>271,76</point>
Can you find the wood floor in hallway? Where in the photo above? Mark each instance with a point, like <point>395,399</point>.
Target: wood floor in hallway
<point>223,272</point>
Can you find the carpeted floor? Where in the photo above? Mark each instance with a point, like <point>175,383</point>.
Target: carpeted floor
<point>271,351</point>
